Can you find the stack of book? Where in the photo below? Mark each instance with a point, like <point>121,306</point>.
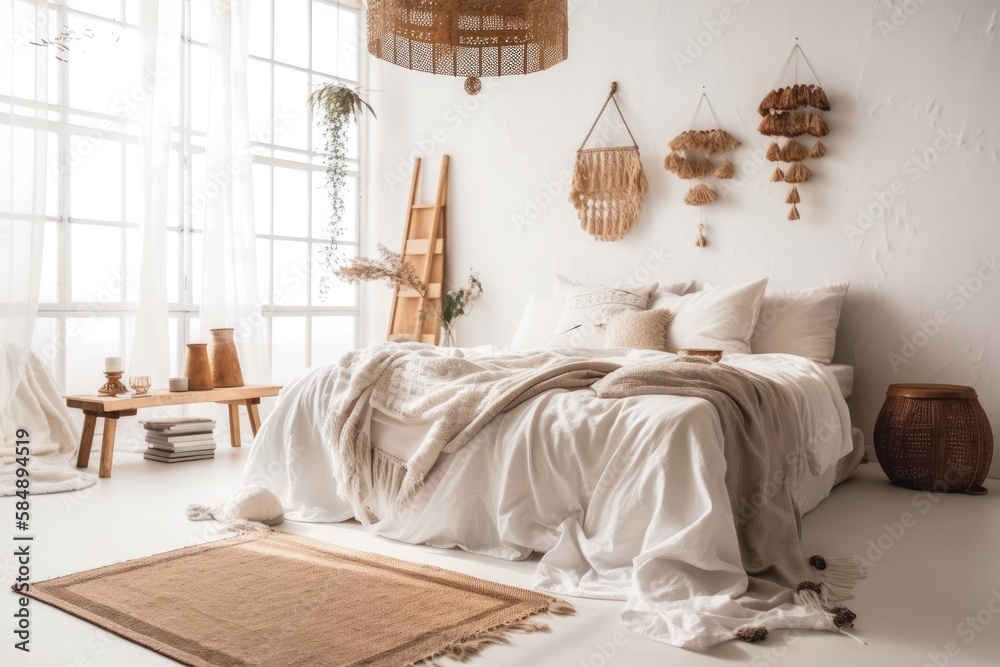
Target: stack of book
<point>175,440</point>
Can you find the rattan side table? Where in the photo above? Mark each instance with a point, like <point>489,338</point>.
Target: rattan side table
<point>934,437</point>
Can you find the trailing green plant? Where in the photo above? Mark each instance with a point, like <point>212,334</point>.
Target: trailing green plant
<point>336,105</point>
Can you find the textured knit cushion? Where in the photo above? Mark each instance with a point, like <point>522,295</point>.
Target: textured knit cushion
<point>586,310</point>
<point>646,330</point>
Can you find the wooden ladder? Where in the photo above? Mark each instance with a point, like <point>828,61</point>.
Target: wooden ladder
<point>423,245</point>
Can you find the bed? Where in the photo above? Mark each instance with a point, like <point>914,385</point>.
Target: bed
<point>625,498</point>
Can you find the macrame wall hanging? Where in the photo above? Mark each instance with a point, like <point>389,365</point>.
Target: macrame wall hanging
<point>792,111</point>
<point>608,184</point>
<point>690,159</point>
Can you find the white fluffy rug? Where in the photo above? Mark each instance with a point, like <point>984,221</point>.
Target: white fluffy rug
<point>38,408</point>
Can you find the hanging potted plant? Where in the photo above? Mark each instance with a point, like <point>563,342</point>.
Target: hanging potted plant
<point>336,105</point>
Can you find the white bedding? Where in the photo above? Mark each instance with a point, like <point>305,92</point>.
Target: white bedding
<point>626,498</point>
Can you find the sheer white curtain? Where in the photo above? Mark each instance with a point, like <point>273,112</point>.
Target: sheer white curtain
<point>23,154</point>
<point>229,276</point>
<point>159,22</point>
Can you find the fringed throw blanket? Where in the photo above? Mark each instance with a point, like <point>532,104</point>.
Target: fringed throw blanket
<point>759,433</point>
<point>457,392</point>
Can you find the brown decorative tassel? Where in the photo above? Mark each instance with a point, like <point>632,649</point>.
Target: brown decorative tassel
<point>818,150</point>
<point>773,125</point>
<point>795,125</point>
<point>702,168</point>
<point>794,213</point>
<point>797,173</point>
<point>769,102</point>
<point>793,196</point>
<point>774,152</point>
<point>778,176</point>
<point>788,100</point>
<point>701,242</point>
<point>817,126</point>
<point>725,170</point>
<point>700,195</point>
<point>819,99</point>
<point>672,162</point>
<point>793,152</point>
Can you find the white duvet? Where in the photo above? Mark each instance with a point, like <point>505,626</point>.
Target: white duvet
<point>625,498</point>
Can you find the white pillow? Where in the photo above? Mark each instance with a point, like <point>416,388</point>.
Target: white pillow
<point>586,309</point>
<point>717,318</point>
<point>802,322</point>
<point>541,315</point>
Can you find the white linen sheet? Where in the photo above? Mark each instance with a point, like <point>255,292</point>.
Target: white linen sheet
<point>625,498</point>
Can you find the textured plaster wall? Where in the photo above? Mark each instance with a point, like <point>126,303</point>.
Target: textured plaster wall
<point>904,206</point>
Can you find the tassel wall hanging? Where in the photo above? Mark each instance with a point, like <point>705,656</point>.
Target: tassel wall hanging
<point>792,112</point>
<point>608,184</point>
<point>690,158</point>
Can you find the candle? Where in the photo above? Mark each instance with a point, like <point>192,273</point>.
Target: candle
<point>113,365</point>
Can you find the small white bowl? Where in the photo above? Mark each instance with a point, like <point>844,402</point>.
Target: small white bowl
<point>178,384</point>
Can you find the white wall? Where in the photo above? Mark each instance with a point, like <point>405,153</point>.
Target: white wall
<point>915,95</point>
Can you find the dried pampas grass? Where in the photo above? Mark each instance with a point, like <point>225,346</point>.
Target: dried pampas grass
<point>793,152</point>
<point>793,196</point>
<point>700,195</point>
<point>797,173</point>
<point>391,267</point>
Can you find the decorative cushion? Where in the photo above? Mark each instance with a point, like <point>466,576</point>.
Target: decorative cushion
<point>645,330</point>
<point>586,310</point>
<point>717,318</point>
<point>540,318</point>
<point>801,322</point>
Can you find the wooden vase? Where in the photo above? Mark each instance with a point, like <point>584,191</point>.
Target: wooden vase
<point>197,368</point>
<point>225,362</point>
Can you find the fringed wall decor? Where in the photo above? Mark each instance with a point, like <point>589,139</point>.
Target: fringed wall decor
<point>608,184</point>
<point>690,158</point>
<point>793,111</point>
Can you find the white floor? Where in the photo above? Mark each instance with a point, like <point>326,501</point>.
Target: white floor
<point>929,584</point>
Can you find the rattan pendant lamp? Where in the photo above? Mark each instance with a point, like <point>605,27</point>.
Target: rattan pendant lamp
<point>470,38</point>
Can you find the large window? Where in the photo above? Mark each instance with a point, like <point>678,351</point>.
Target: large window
<point>94,198</point>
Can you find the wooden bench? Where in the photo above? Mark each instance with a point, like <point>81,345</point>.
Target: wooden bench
<point>112,408</point>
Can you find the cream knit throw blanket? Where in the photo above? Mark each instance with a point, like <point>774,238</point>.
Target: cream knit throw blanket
<point>459,391</point>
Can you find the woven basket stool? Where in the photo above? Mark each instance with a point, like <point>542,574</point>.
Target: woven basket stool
<point>934,437</point>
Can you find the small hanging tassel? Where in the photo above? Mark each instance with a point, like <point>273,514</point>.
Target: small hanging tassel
<point>773,152</point>
<point>701,241</point>
<point>725,170</point>
<point>700,195</point>
<point>818,150</point>
<point>793,152</point>
<point>778,176</point>
<point>817,126</point>
<point>769,102</point>
<point>797,173</point>
<point>794,213</point>
<point>787,99</point>
<point>793,196</point>
<point>672,162</point>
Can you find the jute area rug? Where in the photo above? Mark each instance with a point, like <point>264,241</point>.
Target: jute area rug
<point>273,598</point>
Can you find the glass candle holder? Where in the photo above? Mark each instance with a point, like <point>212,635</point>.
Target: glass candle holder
<point>140,384</point>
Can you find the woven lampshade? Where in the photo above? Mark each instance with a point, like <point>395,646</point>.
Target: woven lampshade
<point>470,38</point>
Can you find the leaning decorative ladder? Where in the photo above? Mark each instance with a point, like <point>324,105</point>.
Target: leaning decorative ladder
<point>423,245</point>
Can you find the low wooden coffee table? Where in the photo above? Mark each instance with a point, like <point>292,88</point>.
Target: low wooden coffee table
<point>112,408</point>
